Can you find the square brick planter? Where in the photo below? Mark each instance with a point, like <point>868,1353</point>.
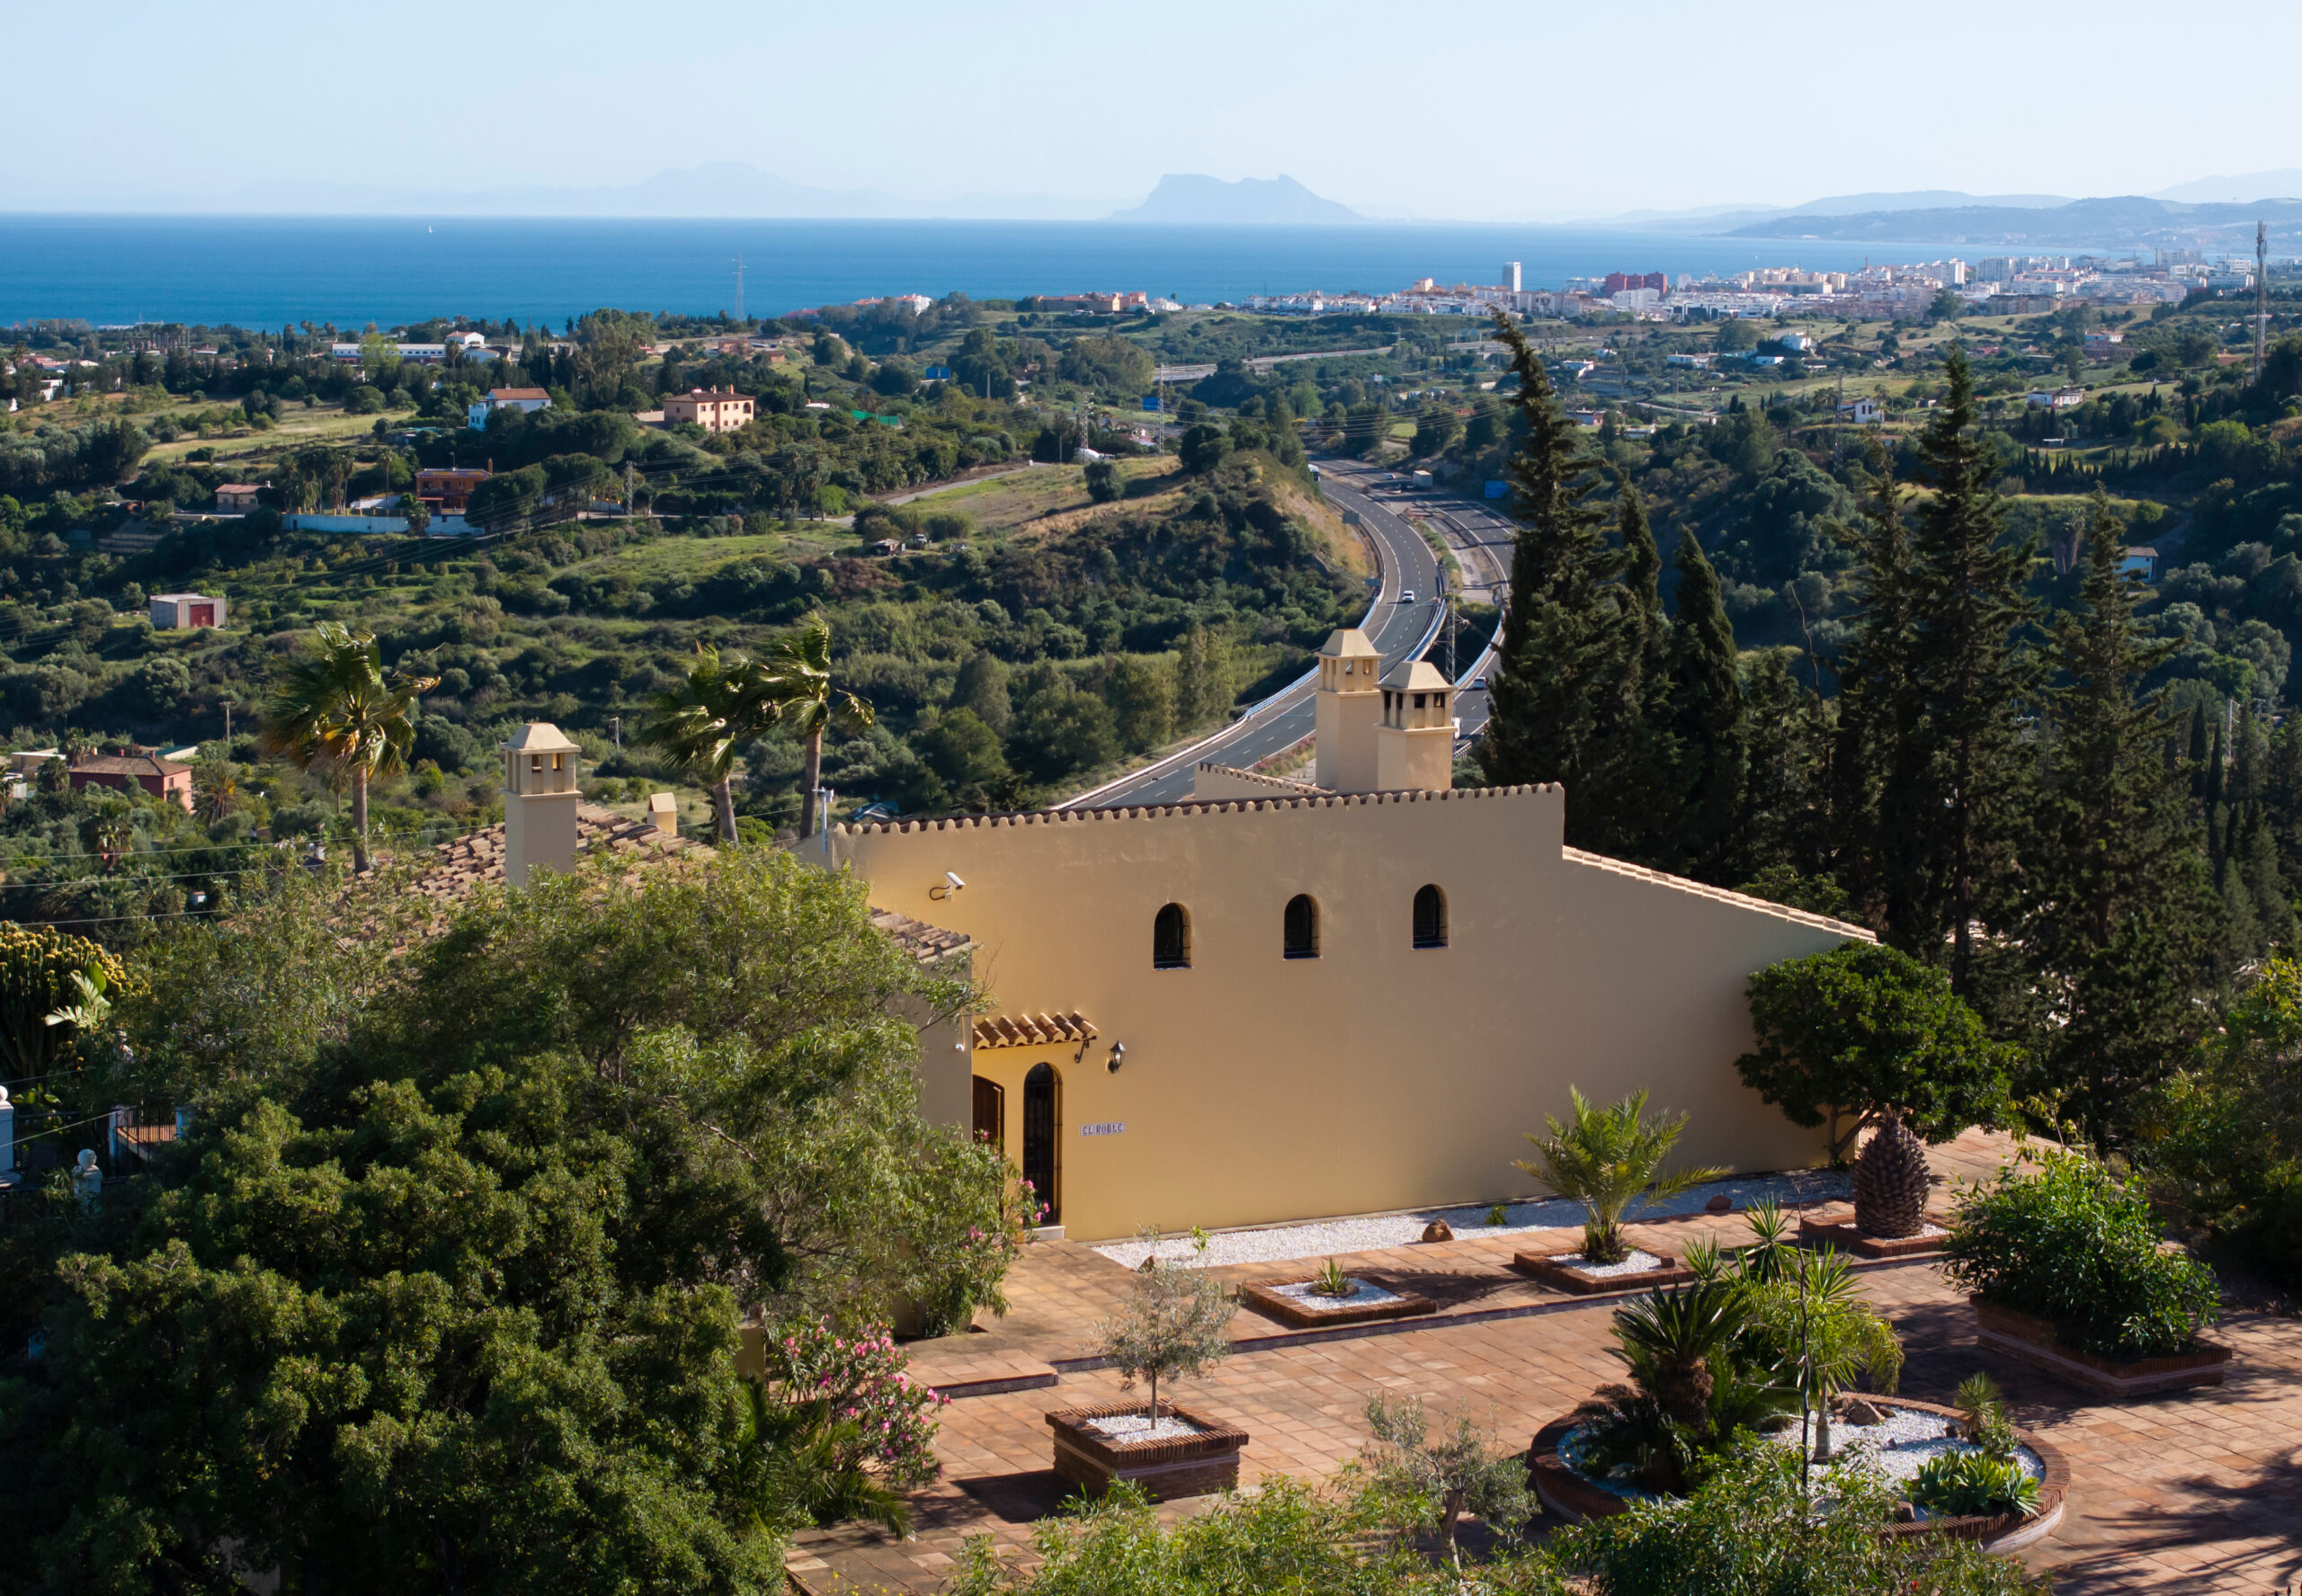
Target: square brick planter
<point>2034,1341</point>
<point>1550,1271</point>
<point>1187,1465</point>
<point>1846,1237</point>
<point>1309,1313</point>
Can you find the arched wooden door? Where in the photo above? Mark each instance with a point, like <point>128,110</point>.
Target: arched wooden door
<point>1043,1138</point>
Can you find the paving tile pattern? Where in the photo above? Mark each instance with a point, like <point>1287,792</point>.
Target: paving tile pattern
<point>2198,1491</point>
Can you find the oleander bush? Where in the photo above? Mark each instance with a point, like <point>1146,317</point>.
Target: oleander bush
<point>2076,1246</point>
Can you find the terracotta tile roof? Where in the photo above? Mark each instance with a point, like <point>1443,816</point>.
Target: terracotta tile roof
<point>1032,1031</point>
<point>115,764</point>
<point>475,859</point>
<point>925,942</point>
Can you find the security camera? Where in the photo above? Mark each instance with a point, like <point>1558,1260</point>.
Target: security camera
<point>952,876</point>
<point>951,884</point>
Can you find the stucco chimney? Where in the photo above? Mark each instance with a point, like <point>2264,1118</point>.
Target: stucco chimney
<point>1414,745</point>
<point>1347,706</point>
<point>663,813</point>
<point>539,799</point>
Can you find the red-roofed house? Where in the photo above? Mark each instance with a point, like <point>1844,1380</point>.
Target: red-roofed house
<point>162,777</point>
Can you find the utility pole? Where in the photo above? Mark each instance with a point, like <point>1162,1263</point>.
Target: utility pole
<point>617,722</point>
<point>2262,297</point>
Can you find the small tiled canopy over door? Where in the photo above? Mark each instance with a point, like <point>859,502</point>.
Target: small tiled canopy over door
<point>991,1113</point>
<point>1043,1138</point>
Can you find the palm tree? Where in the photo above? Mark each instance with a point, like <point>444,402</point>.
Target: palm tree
<point>338,709</point>
<point>718,706</point>
<point>1603,1160</point>
<point>800,665</point>
<point>215,789</point>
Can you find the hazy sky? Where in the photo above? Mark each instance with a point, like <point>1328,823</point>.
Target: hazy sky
<point>1500,111</point>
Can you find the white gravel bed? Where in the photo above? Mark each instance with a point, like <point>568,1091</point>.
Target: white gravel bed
<point>1323,1238</point>
<point>1635,1263</point>
<point>1135,1429</point>
<point>1905,1443</point>
<point>1362,1295</point>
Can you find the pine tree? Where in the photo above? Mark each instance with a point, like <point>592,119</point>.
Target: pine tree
<point>1706,715</point>
<point>2122,914</point>
<point>1564,683</point>
<point>1972,681</point>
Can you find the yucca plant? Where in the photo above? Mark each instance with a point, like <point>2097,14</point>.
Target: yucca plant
<point>1604,1159</point>
<point>1331,1282</point>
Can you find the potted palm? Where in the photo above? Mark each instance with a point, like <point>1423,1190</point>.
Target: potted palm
<point>1604,1159</point>
<point>1176,1322</point>
<point>1866,1038</point>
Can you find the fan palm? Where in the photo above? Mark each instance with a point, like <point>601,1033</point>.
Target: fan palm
<point>215,789</point>
<point>1605,1158</point>
<point>339,710</point>
<point>800,665</point>
<point>720,704</point>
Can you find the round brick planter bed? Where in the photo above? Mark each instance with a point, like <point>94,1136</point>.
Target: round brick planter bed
<point>1308,1310</point>
<point>2034,1341</point>
<point>1573,1495</point>
<point>1194,1464</point>
<point>1564,1270</point>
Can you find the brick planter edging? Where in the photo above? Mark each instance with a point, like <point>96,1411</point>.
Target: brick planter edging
<point>1573,1495</point>
<point>1264,1298</point>
<point>1845,1235</point>
<point>1185,1466</point>
<point>1548,1269</point>
<point>2034,1341</point>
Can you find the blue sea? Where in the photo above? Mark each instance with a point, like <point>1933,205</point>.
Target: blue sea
<point>269,272</point>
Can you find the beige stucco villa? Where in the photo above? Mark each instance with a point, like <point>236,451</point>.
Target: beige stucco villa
<point>1287,999</point>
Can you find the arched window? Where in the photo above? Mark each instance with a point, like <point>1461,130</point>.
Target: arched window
<point>1430,917</point>
<point>1170,939</point>
<point>1302,926</point>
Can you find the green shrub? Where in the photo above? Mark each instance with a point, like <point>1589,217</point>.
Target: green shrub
<point>2076,1246</point>
<point>1752,1530</point>
<point>1964,1485</point>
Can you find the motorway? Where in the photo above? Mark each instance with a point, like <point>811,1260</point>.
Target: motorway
<point>1401,630</point>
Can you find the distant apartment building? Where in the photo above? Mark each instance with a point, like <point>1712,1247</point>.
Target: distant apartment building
<point>715,410</point>
<point>470,345</point>
<point>447,491</point>
<point>179,611</point>
<point>423,354</point>
<point>1618,282</point>
<point>523,399</point>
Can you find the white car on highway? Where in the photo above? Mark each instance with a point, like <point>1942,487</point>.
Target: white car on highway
<point>1406,595</point>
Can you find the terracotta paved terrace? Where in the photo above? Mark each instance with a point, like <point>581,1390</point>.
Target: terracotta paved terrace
<point>2199,1490</point>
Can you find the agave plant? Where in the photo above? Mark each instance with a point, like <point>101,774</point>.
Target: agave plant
<point>1604,1159</point>
<point>1961,1484</point>
<point>1331,1282</point>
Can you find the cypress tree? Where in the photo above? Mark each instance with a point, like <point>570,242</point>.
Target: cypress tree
<point>1875,746</point>
<point>1564,686</point>
<point>2121,928</point>
<point>1972,680</point>
<point>1706,717</point>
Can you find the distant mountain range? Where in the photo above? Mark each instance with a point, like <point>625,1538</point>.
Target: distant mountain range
<point>1194,201</point>
<point>2126,222</point>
